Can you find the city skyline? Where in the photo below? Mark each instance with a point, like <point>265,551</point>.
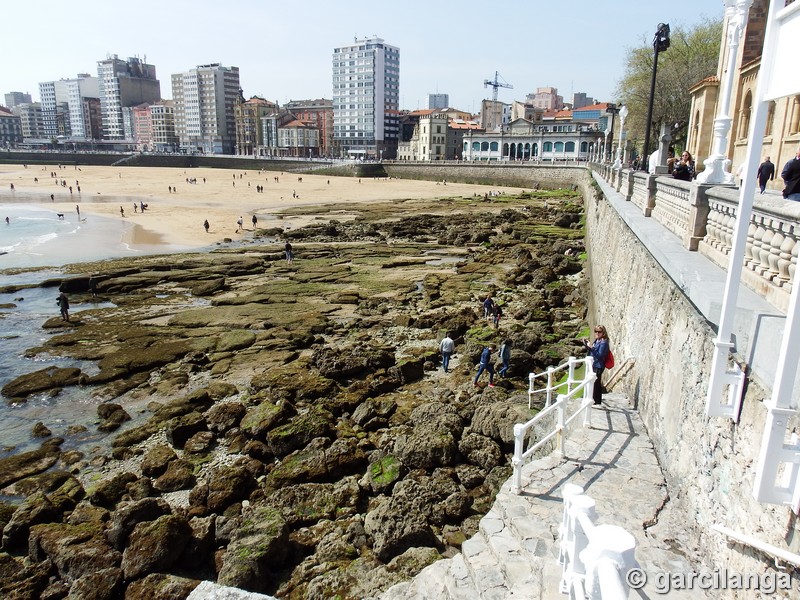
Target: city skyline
<point>284,57</point>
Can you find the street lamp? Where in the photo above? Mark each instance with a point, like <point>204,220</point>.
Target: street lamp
<point>623,114</point>
<point>660,44</point>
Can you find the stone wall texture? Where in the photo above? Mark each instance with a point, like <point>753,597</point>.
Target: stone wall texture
<point>709,463</point>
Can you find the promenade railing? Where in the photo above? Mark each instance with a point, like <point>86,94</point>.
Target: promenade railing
<point>596,559</point>
<point>703,216</point>
<point>554,420</point>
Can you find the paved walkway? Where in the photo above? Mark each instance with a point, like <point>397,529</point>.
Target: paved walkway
<point>515,552</point>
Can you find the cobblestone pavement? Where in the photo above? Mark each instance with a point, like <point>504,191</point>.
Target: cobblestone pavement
<point>514,554</point>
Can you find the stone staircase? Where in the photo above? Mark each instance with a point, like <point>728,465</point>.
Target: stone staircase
<point>514,554</point>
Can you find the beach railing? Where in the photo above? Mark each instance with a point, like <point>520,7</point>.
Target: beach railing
<point>557,414</point>
<point>549,381</point>
<point>595,559</point>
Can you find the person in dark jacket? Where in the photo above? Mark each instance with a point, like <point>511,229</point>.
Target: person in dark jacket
<point>598,350</point>
<point>63,303</point>
<point>684,168</point>
<point>766,172</point>
<point>485,365</point>
<point>791,177</point>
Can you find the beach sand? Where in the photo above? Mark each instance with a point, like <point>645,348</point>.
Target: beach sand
<point>220,195</point>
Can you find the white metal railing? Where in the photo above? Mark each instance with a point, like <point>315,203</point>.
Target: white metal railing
<point>550,386</point>
<point>595,559</point>
<point>574,389</point>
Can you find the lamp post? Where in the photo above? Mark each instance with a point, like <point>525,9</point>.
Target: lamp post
<point>606,151</point>
<point>717,166</point>
<point>660,44</point>
<point>623,114</point>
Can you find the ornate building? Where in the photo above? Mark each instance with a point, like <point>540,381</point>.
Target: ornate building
<point>782,131</point>
<point>249,128</point>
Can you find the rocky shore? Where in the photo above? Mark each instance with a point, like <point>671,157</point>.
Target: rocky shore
<point>286,428</point>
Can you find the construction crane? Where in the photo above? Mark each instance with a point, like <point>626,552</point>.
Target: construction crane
<point>496,84</point>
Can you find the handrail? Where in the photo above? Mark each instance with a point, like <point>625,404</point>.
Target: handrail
<point>569,365</point>
<point>561,429</point>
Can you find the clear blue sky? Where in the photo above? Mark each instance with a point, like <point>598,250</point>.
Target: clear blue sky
<point>283,50</point>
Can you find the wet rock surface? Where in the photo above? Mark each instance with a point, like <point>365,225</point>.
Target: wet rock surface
<point>287,428</point>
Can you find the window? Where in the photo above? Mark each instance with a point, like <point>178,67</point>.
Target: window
<point>794,121</point>
<point>584,147</point>
<point>559,146</point>
<point>476,146</point>
<point>744,117</point>
<point>569,147</point>
<point>484,146</point>
<point>493,146</point>
<point>547,147</point>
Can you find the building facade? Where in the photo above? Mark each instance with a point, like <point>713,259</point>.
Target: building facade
<point>10,129</point>
<point>546,98</point>
<point>247,114</point>
<point>782,130</point>
<point>205,99</point>
<point>320,113</point>
<point>13,99</point>
<point>366,99</point>
<point>298,139</point>
<point>524,140</point>
<point>30,116</point>
<point>436,101</point>
<point>494,114</point>
<point>124,84</point>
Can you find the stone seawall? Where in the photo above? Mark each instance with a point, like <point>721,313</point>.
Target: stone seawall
<point>709,463</point>
<point>526,176</point>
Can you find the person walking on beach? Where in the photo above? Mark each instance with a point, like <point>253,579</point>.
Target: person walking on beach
<point>63,303</point>
<point>122,211</point>
<point>255,221</point>
<point>765,173</point>
<point>446,347</point>
<point>485,364</point>
<point>239,224</point>
<point>598,350</point>
<point>287,248</point>
<point>505,356</point>
<point>135,207</point>
<point>205,225</point>
<point>78,210</point>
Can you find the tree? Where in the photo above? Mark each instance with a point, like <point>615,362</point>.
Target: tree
<point>691,57</point>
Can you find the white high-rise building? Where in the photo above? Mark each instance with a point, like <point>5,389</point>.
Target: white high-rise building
<point>436,101</point>
<point>204,99</point>
<point>124,83</point>
<point>366,99</point>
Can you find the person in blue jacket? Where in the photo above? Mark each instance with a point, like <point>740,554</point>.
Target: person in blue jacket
<point>598,350</point>
<point>485,365</point>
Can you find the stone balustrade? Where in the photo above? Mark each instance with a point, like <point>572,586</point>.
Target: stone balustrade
<point>704,217</point>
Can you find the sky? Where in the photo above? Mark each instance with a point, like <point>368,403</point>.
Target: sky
<point>284,51</point>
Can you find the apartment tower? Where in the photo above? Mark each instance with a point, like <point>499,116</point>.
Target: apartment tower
<point>205,99</point>
<point>366,99</point>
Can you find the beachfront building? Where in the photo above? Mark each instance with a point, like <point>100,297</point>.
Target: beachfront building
<point>13,99</point>
<point>55,109</point>
<point>205,98</point>
<point>428,139</point>
<point>523,140</point>
<point>162,117</point>
<point>30,115</point>
<point>10,129</point>
<point>124,84</point>
<point>247,116</point>
<point>320,113</point>
<point>366,99</point>
<point>298,139</point>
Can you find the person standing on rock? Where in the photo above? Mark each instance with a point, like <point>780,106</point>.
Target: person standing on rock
<point>598,350</point>
<point>288,251</point>
<point>446,347</point>
<point>488,307</point>
<point>63,303</point>
<point>497,313</point>
<point>485,364</point>
<point>505,356</point>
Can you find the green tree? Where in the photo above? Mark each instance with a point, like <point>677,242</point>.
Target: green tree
<point>691,57</point>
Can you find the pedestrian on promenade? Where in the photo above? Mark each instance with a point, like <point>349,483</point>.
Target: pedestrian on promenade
<point>791,177</point>
<point>446,347</point>
<point>766,172</point>
<point>63,303</point>
<point>488,307</point>
<point>505,356</point>
<point>684,167</point>
<point>598,350</point>
<point>287,248</point>
<point>485,364</point>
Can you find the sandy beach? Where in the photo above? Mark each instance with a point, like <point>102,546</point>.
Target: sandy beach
<point>221,196</point>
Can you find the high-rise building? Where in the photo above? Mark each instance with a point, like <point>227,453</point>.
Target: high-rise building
<point>12,99</point>
<point>205,98</point>
<point>546,98</point>
<point>580,99</point>
<point>124,84</point>
<point>55,109</point>
<point>366,99</point>
<point>438,101</point>
<point>30,115</point>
